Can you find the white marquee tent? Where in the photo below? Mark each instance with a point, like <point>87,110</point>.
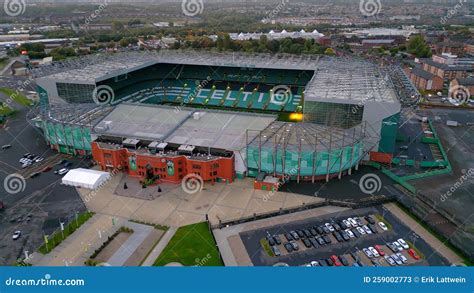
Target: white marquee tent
<point>85,178</point>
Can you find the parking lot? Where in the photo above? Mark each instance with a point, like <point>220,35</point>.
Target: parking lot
<point>349,249</point>
<point>37,204</point>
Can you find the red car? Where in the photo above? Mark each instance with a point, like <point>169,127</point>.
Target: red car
<point>46,169</point>
<point>413,254</point>
<point>336,261</point>
<point>379,250</point>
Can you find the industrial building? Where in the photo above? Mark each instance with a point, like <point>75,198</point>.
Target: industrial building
<point>168,114</point>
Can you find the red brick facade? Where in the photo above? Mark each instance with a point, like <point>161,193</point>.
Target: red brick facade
<point>170,168</point>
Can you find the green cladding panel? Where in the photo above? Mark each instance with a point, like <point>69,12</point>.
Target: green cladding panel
<point>388,134</point>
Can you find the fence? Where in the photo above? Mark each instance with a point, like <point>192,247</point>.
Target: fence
<point>328,202</point>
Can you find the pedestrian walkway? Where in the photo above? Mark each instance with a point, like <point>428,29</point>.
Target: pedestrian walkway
<point>140,233</point>
<point>78,247</point>
<point>155,253</point>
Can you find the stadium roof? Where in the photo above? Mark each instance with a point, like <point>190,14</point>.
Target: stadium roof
<point>196,127</point>
<point>307,136</point>
<point>349,79</point>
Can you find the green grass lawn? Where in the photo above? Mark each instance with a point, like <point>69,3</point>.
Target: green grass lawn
<point>191,245</point>
<point>19,98</point>
<point>57,237</point>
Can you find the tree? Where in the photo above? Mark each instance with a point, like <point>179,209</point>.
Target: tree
<point>418,47</point>
<point>329,51</point>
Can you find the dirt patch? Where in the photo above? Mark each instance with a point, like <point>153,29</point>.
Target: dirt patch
<point>144,249</point>
<point>112,247</point>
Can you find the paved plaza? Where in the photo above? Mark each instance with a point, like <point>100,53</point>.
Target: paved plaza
<point>176,208</point>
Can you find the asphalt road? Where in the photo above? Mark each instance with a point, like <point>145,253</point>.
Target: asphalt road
<point>40,202</point>
<point>260,258</point>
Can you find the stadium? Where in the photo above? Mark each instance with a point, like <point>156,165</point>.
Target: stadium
<point>168,114</point>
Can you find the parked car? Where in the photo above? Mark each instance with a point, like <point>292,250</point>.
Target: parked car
<point>396,259</point>
<point>336,227</point>
<point>288,247</point>
<point>398,246</point>
<point>345,236</point>
<point>307,233</point>
<point>295,235</point>
<point>300,233</point>
<point>277,239</point>
<point>6,146</point>
<point>61,171</point>
<point>325,230</point>
<point>347,223</point>
<point>35,174</point>
<point>358,221</point>
<point>379,249</point>
<point>320,241</point>
<point>307,243</point>
<point>383,226</point>
<point>343,225</point>
<point>370,220</point>
<point>413,254</point>
<point>349,232</point>
<point>373,228</point>
<point>343,260</point>
<point>314,263</point>
<point>366,229</point>
<point>352,221</point>
<point>46,169</point>
<point>392,247</point>
<point>67,164</point>
<point>313,232</point>
<point>319,230</point>
<point>329,227</point>
<point>356,233</point>
<point>16,235</point>
<point>402,257</point>
<point>329,262</point>
<point>338,236</point>
<point>288,237</point>
<point>374,251</point>
<point>368,252</point>
<point>323,263</point>
<point>327,239</point>
<point>403,243</point>
<point>314,242</point>
<point>295,245</point>
<point>335,260</point>
<point>276,251</point>
<point>270,240</point>
<point>361,231</point>
<point>390,260</point>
